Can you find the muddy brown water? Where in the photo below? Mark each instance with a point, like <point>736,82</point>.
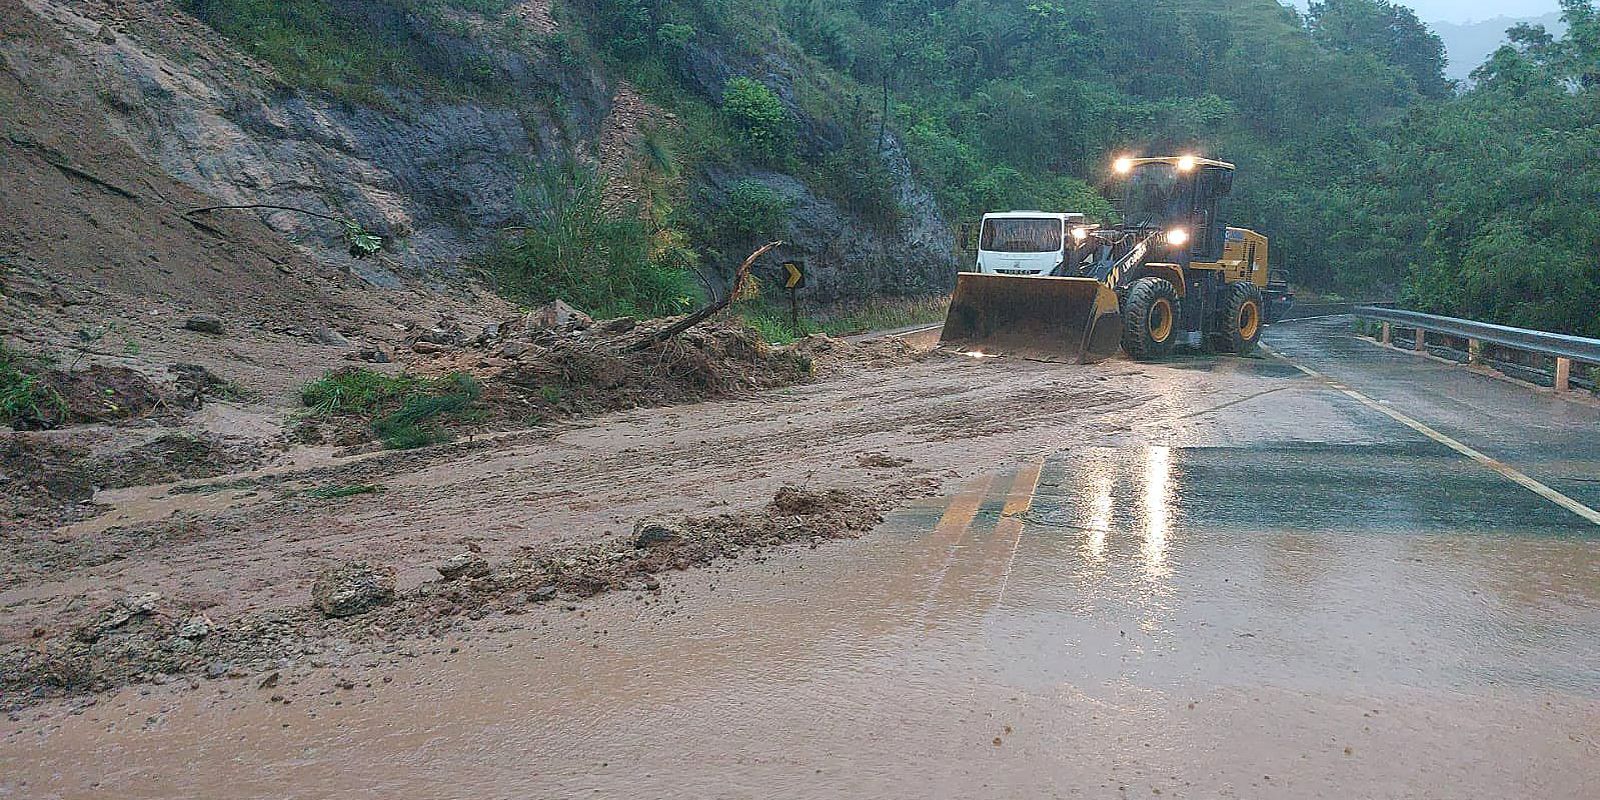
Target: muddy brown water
<point>1106,622</point>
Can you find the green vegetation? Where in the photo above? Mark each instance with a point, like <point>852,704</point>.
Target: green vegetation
<point>758,119</point>
<point>337,491</point>
<point>609,263</point>
<point>754,212</point>
<point>25,400</point>
<point>1373,174</point>
<point>351,50</point>
<point>355,391</point>
<point>772,320</point>
<point>1485,202</point>
<point>417,422</point>
<point>406,411</point>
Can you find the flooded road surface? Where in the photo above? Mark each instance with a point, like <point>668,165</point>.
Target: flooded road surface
<point>1340,607</point>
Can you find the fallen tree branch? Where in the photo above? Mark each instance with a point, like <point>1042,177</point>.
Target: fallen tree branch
<point>741,276</point>
<point>51,157</point>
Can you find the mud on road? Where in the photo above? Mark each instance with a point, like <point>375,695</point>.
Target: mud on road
<point>552,512</point>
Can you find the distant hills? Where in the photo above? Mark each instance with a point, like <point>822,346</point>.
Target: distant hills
<point>1470,44</point>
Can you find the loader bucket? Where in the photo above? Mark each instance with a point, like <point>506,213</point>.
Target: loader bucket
<point>1050,319</point>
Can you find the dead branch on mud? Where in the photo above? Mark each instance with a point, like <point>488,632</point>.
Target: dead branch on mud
<point>741,277</point>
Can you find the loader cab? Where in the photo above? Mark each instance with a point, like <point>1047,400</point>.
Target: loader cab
<point>1181,198</point>
<point>1029,242</point>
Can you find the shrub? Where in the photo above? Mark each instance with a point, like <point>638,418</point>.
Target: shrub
<point>25,400</point>
<point>858,179</point>
<point>758,119</point>
<point>754,211</point>
<point>407,411</point>
<point>675,36</point>
<point>354,391</point>
<point>574,249</point>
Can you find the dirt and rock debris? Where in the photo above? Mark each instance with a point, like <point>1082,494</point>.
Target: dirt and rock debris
<point>149,637</point>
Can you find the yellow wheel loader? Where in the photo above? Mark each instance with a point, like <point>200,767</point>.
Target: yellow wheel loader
<point>1172,273</point>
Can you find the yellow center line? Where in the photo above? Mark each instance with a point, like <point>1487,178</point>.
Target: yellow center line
<point>953,527</point>
<point>1017,503</point>
<point>1510,472</point>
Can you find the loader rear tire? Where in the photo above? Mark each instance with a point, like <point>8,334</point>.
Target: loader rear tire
<point>1239,320</point>
<point>1150,319</point>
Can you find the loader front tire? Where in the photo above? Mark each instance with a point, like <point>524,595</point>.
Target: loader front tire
<point>1240,320</point>
<point>1150,319</point>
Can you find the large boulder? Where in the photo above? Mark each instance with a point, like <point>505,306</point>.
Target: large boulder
<point>355,587</point>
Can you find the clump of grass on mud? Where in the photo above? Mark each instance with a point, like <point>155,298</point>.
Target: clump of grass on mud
<point>336,492</point>
<point>405,411</point>
<point>24,397</point>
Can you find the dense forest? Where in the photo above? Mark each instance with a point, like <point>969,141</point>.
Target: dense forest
<point>1374,175</point>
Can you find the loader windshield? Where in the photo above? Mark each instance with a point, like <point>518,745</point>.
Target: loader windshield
<point>1021,235</point>
<point>1155,194</point>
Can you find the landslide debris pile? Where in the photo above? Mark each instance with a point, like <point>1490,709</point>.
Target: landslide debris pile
<point>557,363</point>
<point>146,638</point>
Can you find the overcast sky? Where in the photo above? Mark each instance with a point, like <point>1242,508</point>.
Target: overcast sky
<point>1475,10</point>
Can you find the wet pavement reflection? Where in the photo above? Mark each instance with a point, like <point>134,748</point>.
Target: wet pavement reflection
<point>1101,621</point>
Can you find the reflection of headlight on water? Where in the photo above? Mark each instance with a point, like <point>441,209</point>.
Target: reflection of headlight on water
<point>1100,518</point>
<point>1157,477</point>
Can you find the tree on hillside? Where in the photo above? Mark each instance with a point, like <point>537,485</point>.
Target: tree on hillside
<point>1388,32</point>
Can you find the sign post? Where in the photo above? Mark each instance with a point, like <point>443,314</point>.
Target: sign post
<point>794,279</point>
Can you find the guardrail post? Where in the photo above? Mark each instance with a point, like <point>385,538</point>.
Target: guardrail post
<point>1386,335</point>
<point>1474,351</point>
<point>1422,341</point>
<point>1563,374</point>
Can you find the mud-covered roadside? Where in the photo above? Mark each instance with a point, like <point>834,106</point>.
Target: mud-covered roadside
<point>217,577</point>
<point>152,638</point>
<point>58,497</point>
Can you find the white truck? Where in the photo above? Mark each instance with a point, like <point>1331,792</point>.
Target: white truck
<point>1028,242</point>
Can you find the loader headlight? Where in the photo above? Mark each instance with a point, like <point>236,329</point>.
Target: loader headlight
<point>1186,163</point>
<point>1080,235</point>
<point>1177,237</point>
<point>1123,165</point>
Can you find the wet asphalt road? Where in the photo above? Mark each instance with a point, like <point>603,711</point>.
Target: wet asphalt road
<point>1295,596</point>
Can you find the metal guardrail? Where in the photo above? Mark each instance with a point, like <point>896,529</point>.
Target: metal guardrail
<point>1563,349</point>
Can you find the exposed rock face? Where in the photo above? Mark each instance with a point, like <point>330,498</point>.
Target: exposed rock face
<point>438,172</point>
<point>845,257</point>
<point>435,173</point>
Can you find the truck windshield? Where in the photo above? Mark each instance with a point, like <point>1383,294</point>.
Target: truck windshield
<point>1020,235</point>
<point>1155,195</point>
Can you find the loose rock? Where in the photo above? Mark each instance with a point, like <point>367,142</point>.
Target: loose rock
<point>652,532</point>
<point>330,337</point>
<point>464,565</point>
<point>353,588</point>
<point>204,323</point>
<point>558,315</point>
<point>198,626</point>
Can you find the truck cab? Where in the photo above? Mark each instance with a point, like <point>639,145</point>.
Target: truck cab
<point>1029,242</point>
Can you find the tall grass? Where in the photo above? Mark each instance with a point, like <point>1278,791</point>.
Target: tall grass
<point>608,263</point>
<point>405,411</point>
